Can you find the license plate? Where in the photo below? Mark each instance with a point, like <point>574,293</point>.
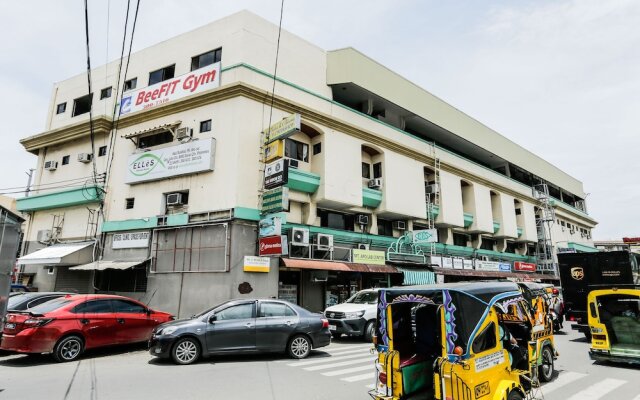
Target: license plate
<point>332,327</point>
<point>10,326</point>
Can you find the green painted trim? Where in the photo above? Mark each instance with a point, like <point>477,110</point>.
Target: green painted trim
<point>303,181</point>
<point>502,256</point>
<point>557,202</point>
<point>177,219</point>
<point>582,248</point>
<point>64,198</point>
<point>468,219</point>
<point>250,214</point>
<point>496,226</point>
<point>346,237</point>
<point>129,224</point>
<point>520,230</point>
<point>371,197</point>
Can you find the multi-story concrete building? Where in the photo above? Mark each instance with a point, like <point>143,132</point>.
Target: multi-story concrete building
<point>370,158</point>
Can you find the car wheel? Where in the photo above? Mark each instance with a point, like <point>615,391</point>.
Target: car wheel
<point>514,395</point>
<point>299,347</point>
<point>68,349</point>
<point>368,331</point>
<point>546,369</point>
<point>185,351</point>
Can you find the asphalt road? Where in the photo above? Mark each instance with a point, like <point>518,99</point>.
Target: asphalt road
<point>340,371</point>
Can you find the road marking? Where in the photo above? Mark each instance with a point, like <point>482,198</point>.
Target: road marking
<point>595,392</point>
<point>337,349</point>
<point>323,360</point>
<point>372,386</point>
<point>341,364</point>
<point>369,367</point>
<point>565,378</point>
<point>357,378</point>
<point>340,353</point>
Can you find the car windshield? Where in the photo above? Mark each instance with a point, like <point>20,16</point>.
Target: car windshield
<point>364,298</point>
<point>50,306</point>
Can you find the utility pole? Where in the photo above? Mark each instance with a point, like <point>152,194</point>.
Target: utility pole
<point>30,175</point>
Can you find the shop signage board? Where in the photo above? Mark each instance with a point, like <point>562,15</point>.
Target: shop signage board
<point>272,246</point>
<point>467,264</point>
<point>566,250</point>
<point>196,81</point>
<point>425,236</point>
<point>487,265</point>
<point>183,159</point>
<point>130,240</point>
<point>368,257</point>
<point>274,150</point>
<point>275,200</point>
<point>524,266</point>
<point>283,128</point>
<point>447,262</point>
<point>256,264</point>
<point>270,225</point>
<point>436,260</point>
<point>276,174</point>
<point>458,263</point>
<point>504,267</point>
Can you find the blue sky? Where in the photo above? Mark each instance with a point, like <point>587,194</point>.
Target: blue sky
<point>560,78</point>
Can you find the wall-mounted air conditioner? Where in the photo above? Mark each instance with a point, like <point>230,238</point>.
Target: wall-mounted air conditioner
<point>375,183</point>
<point>431,189</point>
<point>174,199</point>
<point>399,225</point>
<point>363,246</point>
<point>362,219</point>
<point>182,133</point>
<point>44,235</point>
<point>51,165</point>
<point>85,157</point>
<point>324,242</point>
<point>300,237</point>
<point>293,163</point>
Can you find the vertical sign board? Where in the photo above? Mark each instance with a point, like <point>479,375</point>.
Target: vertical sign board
<point>276,174</point>
<point>270,225</point>
<point>425,236</point>
<point>283,128</point>
<point>274,150</point>
<point>256,264</point>
<point>275,200</point>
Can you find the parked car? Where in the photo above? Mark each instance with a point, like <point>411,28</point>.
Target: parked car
<point>69,325</point>
<point>356,316</point>
<point>22,301</point>
<point>247,325</point>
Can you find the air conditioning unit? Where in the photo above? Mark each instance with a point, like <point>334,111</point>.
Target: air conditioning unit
<point>399,225</point>
<point>363,246</point>
<point>51,165</point>
<point>293,163</point>
<point>44,235</point>
<point>182,133</point>
<point>375,183</point>
<point>300,237</point>
<point>431,189</point>
<point>362,219</point>
<point>324,242</point>
<point>174,199</point>
<point>85,157</point>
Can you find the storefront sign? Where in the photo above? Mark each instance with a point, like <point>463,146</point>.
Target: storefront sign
<point>631,240</point>
<point>276,174</point>
<point>436,261</point>
<point>274,150</point>
<point>566,250</point>
<point>130,240</point>
<point>505,267</point>
<point>487,265</point>
<point>256,264</point>
<point>368,257</point>
<point>523,266</point>
<point>467,264</point>
<point>272,246</point>
<point>270,225</point>
<point>183,159</point>
<point>196,81</point>
<point>425,236</point>
<point>458,263</point>
<point>447,262</point>
<point>275,200</point>
<point>283,128</point>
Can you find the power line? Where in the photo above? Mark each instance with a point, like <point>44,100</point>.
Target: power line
<point>275,68</point>
<point>91,132</point>
<point>83,178</point>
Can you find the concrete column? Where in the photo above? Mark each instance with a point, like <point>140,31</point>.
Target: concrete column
<point>501,244</point>
<point>373,223</point>
<point>309,213</point>
<point>476,241</point>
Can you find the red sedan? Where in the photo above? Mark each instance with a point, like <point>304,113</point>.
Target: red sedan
<point>69,325</point>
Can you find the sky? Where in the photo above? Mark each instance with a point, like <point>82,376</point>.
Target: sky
<point>560,78</point>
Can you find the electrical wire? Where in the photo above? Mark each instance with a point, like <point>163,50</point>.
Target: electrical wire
<point>51,183</point>
<point>275,68</point>
<point>91,131</point>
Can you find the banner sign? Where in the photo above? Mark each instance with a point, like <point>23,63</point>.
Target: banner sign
<point>272,246</point>
<point>467,264</point>
<point>183,159</point>
<point>447,262</point>
<point>458,263</point>
<point>256,264</point>
<point>425,236</point>
<point>274,150</point>
<point>196,81</point>
<point>130,240</point>
<point>368,257</point>
<point>270,225</point>
<point>283,128</point>
<point>523,266</point>
<point>436,260</point>
<point>487,265</point>
<point>275,200</point>
<point>276,174</point>
<point>504,267</point>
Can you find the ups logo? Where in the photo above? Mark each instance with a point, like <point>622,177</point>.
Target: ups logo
<point>577,273</point>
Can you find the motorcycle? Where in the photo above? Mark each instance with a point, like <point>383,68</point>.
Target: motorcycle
<point>556,320</point>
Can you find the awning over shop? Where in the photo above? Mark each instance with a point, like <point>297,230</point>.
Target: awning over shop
<point>60,254</point>
<point>337,266</point>
<point>102,265</point>
<point>155,129</point>
<point>417,277</point>
<point>491,274</point>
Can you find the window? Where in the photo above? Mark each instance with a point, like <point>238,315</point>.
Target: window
<point>460,239</point>
<point>317,148</point>
<point>205,126</point>
<point>275,310</point>
<point>128,203</point>
<point>487,244</point>
<point>82,105</point>
<point>161,74</point>
<point>334,220</point>
<point>377,170</point>
<point>155,140</point>
<point>241,311</point>
<point>37,302</point>
<point>105,93</point>
<point>296,150</point>
<point>366,170</point>
<point>128,280</point>
<point>50,305</point>
<point>65,160</point>
<point>385,227</point>
<point>96,306</point>
<point>61,108</point>
<point>102,151</point>
<point>50,271</point>
<point>206,244</point>
<point>486,340</point>
<point>130,84</point>
<point>511,247</point>
<point>127,307</point>
<point>518,211</point>
<point>562,223</point>
<point>208,58</point>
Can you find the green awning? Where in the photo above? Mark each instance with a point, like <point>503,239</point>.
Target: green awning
<point>417,277</point>
<point>582,248</point>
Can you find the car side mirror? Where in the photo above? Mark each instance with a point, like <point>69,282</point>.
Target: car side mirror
<point>212,319</point>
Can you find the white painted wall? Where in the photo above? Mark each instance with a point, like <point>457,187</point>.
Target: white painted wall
<point>451,211</point>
